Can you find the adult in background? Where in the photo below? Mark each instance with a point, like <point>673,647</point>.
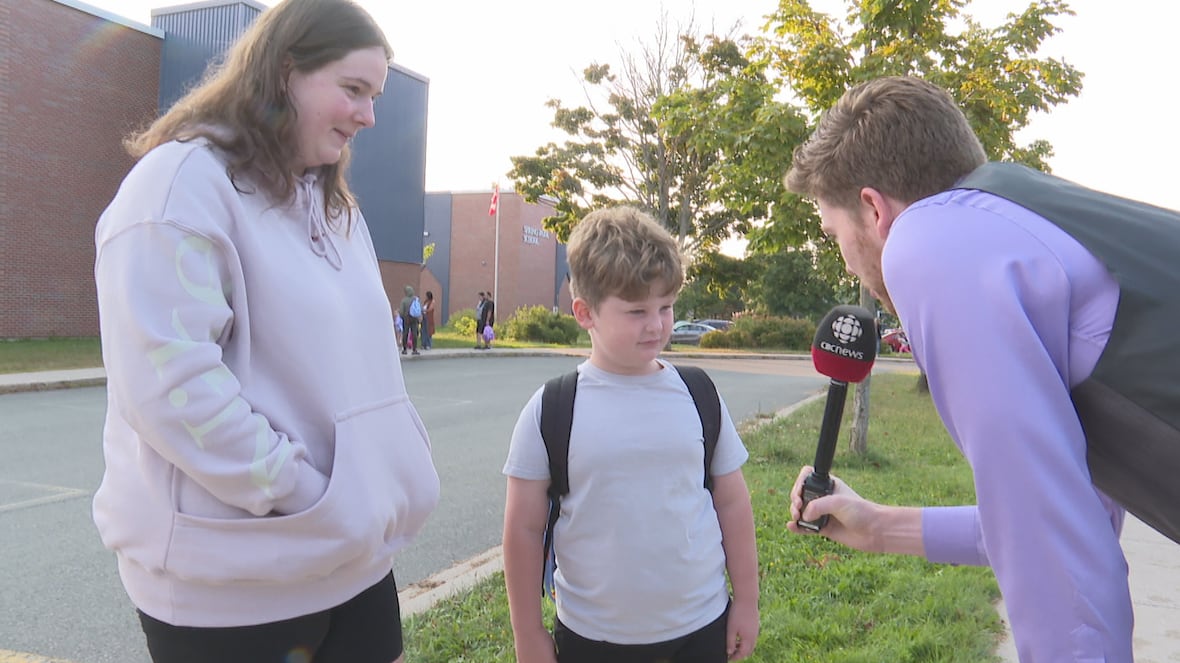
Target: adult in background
<point>263,461</point>
<point>427,320</point>
<point>411,312</point>
<point>1004,280</point>
<point>487,318</point>
<point>479,319</point>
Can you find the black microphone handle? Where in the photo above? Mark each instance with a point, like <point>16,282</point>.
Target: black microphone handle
<point>829,432</point>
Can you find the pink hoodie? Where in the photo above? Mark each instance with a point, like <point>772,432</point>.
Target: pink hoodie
<point>263,460</point>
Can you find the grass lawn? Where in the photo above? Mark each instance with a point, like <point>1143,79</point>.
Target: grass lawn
<point>49,354</point>
<point>27,355</point>
<point>819,601</point>
<point>447,338</point>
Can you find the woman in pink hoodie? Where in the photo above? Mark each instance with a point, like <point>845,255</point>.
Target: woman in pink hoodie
<point>263,461</point>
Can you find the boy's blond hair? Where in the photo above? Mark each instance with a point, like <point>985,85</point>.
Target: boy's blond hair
<point>902,136</point>
<point>622,252</point>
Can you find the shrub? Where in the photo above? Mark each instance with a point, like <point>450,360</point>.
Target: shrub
<point>731,338</point>
<point>462,322</point>
<point>771,332</point>
<point>541,325</point>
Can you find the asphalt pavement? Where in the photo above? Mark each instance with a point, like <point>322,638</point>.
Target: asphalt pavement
<point>1154,560</point>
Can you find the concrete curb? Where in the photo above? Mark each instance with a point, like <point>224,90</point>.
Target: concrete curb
<point>424,594</point>
<point>50,386</point>
<point>50,380</point>
<point>11,383</point>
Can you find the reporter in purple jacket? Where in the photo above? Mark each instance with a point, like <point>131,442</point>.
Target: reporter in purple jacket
<point>1008,312</point>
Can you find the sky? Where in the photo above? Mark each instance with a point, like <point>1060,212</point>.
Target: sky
<point>493,65</point>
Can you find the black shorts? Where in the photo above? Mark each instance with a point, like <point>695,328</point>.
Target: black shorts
<point>705,645</point>
<point>364,629</point>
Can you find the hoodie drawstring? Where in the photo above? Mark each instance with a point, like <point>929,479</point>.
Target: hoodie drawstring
<point>318,234</point>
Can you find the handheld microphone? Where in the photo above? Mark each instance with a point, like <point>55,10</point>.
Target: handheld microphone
<point>844,348</point>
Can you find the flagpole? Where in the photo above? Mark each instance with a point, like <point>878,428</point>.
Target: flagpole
<point>496,261</point>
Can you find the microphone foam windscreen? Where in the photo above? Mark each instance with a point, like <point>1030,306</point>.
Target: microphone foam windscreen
<point>845,344</point>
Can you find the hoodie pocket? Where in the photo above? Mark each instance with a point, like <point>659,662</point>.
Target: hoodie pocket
<point>382,488</point>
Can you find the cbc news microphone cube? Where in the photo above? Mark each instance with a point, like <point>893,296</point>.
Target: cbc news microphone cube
<point>845,344</point>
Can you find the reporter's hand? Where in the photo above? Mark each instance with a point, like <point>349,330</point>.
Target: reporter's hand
<point>852,519</point>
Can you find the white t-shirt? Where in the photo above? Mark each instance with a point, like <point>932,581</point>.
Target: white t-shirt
<point>638,545</point>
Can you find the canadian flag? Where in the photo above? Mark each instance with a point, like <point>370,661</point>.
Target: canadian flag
<point>495,200</point>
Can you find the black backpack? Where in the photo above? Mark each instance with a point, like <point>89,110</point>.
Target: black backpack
<point>557,414</point>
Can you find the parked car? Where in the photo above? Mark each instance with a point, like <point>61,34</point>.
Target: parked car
<point>690,332</point>
<point>896,340</point>
<point>720,325</point>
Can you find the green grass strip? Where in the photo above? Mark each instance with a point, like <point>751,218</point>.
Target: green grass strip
<point>28,355</point>
<point>819,601</point>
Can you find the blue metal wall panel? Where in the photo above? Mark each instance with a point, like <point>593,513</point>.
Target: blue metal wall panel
<point>193,39</point>
<point>561,274</point>
<point>388,172</point>
<point>214,26</point>
<point>182,63</point>
<point>438,232</point>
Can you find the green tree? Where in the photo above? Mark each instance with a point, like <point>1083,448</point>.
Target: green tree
<point>787,283</point>
<point>715,287</point>
<point>780,284</point>
<point>994,74</point>
<point>616,151</point>
<point>690,131</point>
<point>736,127</point>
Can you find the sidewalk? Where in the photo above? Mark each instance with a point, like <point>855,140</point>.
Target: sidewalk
<point>92,377</point>
<point>1154,562</point>
<point>45,380</point>
<point>1153,559</point>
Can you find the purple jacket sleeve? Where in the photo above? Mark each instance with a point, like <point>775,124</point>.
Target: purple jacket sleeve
<point>1006,313</point>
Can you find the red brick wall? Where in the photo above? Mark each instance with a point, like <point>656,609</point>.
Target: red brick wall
<point>527,269</point>
<point>430,282</point>
<point>74,85</point>
<point>395,276</point>
<point>473,241</point>
<point>527,257</point>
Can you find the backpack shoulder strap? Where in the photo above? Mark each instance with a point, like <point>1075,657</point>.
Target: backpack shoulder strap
<point>708,403</point>
<point>557,416</point>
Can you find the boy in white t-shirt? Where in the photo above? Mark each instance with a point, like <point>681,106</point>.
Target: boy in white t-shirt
<point>642,547</point>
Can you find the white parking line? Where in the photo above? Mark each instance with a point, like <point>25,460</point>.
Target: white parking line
<point>59,494</point>
<point>7,656</point>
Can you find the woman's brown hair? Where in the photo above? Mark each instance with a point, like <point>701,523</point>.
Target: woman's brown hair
<point>242,106</point>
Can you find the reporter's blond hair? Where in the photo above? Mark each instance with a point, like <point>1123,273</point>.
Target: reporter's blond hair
<point>900,135</point>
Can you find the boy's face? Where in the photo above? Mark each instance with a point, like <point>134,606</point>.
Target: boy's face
<point>627,336</point>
